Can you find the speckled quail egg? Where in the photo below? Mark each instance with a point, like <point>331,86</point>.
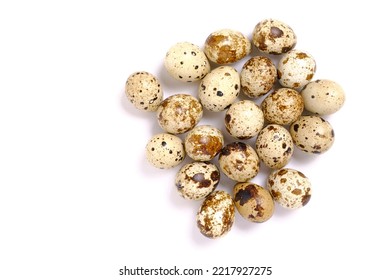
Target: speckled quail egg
<point>283,106</point>
<point>165,151</point>
<point>323,97</point>
<point>226,46</point>
<point>203,142</point>
<point>257,76</point>
<point>186,62</point>
<point>239,161</point>
<point>244,119</point>
<point>197,180</point>
<point>274,146</point>
<point>219,89</point>
<point>144,91</point>
<point>296,69</point>
<point>179,113</point>
<point>312,134</point>
<point>215,216</point>
<point>253,202</point>
<point>274,37</point>
<point>289,187</point>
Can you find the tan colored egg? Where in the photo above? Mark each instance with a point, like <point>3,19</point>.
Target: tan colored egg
<point>215,216</point>
<point>179,113</point>
<point>144,91</point>
<point>203,142</point>
<point>289,187</point>
<point>283,106</point>
<point>274,146</point>
<point>312,134</point>
<point>197,180</point>
<point>258,76</point>
<point>186,62</point>
<point>226,46</point>
<point>274,37</point>
<point>239,162</point>
<point>244,119</point>
<point>323,97</point>
<point>165,151</point>
<point>253,202</point>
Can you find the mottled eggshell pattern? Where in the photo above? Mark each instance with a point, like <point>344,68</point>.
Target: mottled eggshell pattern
<point>144,91</point>
<point>312,134</point>
<point>289,187</point>
<point>226,46</point>
<point>257,76</point>
<point>197,180</point>
<point>296,69</point>
<point>179,113</point>
<point>203,142</point>
<point>239,161</point>
<point>186,62</point>
<point>274,146</point>
<point>283,106</point>
<point>219,89</point>
<point>165,151</point>
<point>244,119</point>
<point>215,216</point>
<point>274,37</point>
<point>253,202</point>
<point>323,97</point>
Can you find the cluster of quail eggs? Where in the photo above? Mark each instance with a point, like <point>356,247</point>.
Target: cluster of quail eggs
<point>277,122</point>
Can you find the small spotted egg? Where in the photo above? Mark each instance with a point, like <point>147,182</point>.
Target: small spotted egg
<point>289,187</point>
<point>165,151</point>
<point>283,106</point>
<point>219,88</point>
<point>239,161</point>
<point>257,76</point>
<point>144,91</point>
<point>274,146</point>
<point>203,142</point>
<point>197,180</point>
<point>296,69</point>
<point>253,202</point>
<point>312,134</point>
<point>179,113</point>
<point>215,216</point>
<point>226,46</point>
<point>274,37</point>
<point>244,119</point>
<point>323,97</point>
<point>186,62</point>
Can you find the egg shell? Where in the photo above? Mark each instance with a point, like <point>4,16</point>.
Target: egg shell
<point>296,69</point>
<point>274,37</point>
<point>144,91</point>
<point>253,202</point>
<point>282,106</point>
<point>323,97</point>
<point>197,180</point>
<point>226,46</point>
<point>165,151</point>
<point>239,161</point>
<point>179,113</point>
<point>258,76</point>
<point>186,62</point>
<point>244,119</point>
<point>219,89</point>
<point>312,134</point>
<point>215,217</point>
<point>203,142</point>
<point>274,146</point>
<point>289,187</point>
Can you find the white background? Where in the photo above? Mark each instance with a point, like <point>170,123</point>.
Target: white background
<point>78,199</point>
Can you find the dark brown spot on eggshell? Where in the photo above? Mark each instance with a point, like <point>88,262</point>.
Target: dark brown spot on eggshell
<point>276,32</point>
